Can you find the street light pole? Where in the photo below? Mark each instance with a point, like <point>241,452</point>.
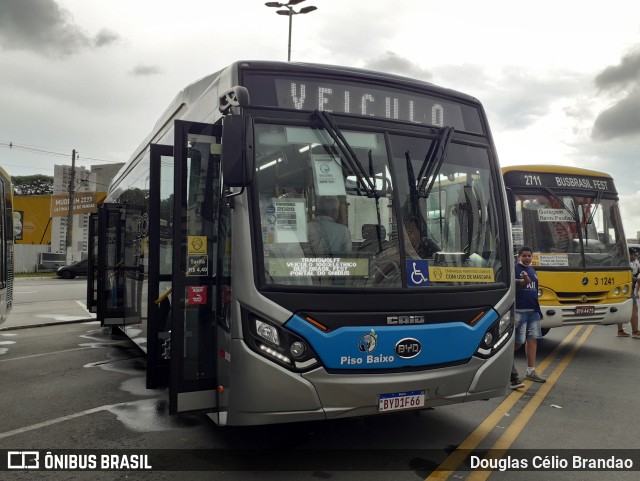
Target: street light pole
<point>72,182</point>
<point>290,12</point>
<point>290,26</point>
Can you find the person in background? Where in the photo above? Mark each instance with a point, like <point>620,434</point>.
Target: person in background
<point>635,268</point>
<point>327,237</point>
<point>528,315</point>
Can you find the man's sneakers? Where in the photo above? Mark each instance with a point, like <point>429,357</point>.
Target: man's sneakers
<point>533,376</point>
<point>516,383</point>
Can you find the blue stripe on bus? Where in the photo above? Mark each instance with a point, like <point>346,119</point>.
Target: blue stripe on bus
<point>374,347</point>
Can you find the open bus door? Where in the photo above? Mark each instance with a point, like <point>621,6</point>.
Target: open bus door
<point>110,272</point>
<point>195,294</point>
<point>160,264</point>
<point>92,264</point>
<point>120,266</point>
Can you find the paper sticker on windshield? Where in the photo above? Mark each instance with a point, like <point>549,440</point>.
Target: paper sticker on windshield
<point>554,215</point>
<point>418,273</point>
<point>328,177</point>
<point>553,260</point>
<point>461,274</point>
<point>290,220</point>
<point>518,235</point>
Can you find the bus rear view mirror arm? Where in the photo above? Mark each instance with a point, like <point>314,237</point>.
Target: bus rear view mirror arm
<point>235,97</point>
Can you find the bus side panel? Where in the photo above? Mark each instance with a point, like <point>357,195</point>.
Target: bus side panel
<point>261,392</point>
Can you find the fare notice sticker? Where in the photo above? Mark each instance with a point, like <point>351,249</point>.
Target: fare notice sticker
<point>197,266</point>
<point>461,274</point>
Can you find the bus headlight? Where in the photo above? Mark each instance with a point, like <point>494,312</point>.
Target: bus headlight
<point>625,289</point>
<point>496,335</point>
<point>506,322</point>
<point>278,344</point>
<point>267,332</point>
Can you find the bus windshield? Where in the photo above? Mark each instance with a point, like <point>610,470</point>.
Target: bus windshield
<point>570,230</point>
<point>355,214</point>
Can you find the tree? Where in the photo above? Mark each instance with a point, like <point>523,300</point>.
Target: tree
<point>32,184</point>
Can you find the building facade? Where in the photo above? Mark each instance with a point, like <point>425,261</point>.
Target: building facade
<point>41,220</point>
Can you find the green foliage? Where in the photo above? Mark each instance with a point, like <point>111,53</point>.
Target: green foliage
<point>32,184</point>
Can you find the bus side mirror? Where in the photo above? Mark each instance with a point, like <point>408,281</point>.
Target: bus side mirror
<point>511,200</point>
<point>238,164</point>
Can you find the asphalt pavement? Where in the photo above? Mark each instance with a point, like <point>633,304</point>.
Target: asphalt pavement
<point>30,309</point>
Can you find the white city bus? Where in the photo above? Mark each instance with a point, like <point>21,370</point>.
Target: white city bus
<point>205,251</point>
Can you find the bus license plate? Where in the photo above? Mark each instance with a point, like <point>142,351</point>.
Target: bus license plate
<point>585,310</point>
<point>401,400</point>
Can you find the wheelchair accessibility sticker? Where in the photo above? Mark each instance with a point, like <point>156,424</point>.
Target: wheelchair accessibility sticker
<point>418,273</point>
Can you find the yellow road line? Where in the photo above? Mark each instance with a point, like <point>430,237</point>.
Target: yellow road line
<point>515,428</point>
<point>456,458</point>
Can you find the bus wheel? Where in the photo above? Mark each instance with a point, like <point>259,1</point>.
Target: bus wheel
<point>545,331</point>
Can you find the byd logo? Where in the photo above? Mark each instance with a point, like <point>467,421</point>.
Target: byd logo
<point>408,348</point>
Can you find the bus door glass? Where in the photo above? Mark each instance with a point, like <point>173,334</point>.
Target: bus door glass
<point>132,271</point>
<point>92,264</point>
<point>160,258</point>
<point>195,294</point>
<point>111,261</point>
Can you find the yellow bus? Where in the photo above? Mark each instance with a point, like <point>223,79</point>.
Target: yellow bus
<point>6,244</point>
<point>570,218</point>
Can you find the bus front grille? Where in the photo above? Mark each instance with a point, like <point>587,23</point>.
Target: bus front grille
<point>572,298</point>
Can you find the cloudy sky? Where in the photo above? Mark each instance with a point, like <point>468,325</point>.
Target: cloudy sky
<point>559,79</point>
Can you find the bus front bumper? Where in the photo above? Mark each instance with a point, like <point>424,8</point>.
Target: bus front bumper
<point>556,315</point>
<point>262,392</point>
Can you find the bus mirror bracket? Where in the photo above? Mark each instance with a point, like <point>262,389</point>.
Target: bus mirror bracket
<point>511,201</point>
<point>234,97</point>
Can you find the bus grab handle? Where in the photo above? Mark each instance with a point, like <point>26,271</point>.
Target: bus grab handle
<point>164,295</point>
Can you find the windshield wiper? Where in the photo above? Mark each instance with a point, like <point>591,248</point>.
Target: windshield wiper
<point>379,226</point>
<point>570,210</point>
<point>596,203</point>
<point>332,129</point>
<point>433,161</point>
<point>414,210</point>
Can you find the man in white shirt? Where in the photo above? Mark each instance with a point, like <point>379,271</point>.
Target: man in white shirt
<point>635,268</point>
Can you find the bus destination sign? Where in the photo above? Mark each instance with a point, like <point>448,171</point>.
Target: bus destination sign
<point>378,101</point>
<point>559,181</point>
